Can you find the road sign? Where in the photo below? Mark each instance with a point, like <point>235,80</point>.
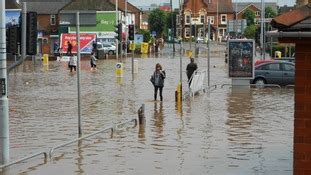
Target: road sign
<point>266,20</point>
<point>154,33</point>
<point>68,18</point>
<point>132,46</point>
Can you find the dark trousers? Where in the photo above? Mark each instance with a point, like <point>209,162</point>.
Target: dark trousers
<point>156,92</point>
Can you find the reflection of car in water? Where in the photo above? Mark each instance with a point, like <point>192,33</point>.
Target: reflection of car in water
<point>274,72</point>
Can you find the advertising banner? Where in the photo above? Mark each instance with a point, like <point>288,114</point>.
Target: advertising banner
<point>105,22</point>
<point>12,17</point>
<point>241,59</point>
<point>86,42</point>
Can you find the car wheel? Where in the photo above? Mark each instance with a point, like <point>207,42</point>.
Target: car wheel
<point>110,52</point>
<point>260,82</point>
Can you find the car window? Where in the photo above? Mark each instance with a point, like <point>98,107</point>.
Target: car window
<point>272,66</point>
<point>106,45</point>
<point>288,67</point>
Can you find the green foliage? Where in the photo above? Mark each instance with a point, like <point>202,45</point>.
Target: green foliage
<point>249,16</point>
<point>269,12</point>
<point>146,33</point>
<point>250,31</point>
<point>157,21</point>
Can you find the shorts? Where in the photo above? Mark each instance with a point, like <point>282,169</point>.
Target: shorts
<point>93,65</point>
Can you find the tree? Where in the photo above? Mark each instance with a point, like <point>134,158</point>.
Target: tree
<point>157,21</point>
<point>250,31</point>
<point>269,12</point>
<point>249,16</point>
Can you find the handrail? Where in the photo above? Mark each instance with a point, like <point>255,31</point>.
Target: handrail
<point>23,159</point>
<point>112,128</point>
<point>289,86</point>
<point>263,85</point>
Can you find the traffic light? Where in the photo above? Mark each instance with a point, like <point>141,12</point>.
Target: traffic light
<point>131,32</point>
<point>13,39</point>
<point>31,36</point>
<point>119,31</point>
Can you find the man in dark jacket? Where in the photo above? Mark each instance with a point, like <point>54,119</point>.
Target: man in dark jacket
<point>191,67</point>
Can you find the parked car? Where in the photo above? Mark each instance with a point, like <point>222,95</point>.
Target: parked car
<point>108,48</point>
<point>275,72</point>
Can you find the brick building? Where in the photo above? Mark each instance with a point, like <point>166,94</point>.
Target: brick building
<point>47,26</point>
<point>295,27</point>
<point>242,7</point>
<point>196,13</point>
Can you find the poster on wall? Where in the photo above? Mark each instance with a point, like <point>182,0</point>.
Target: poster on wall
<point>241,59</point>
<point>86,42</point>
<point>12,17</point>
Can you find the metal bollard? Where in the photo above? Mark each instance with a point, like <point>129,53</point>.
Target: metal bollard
<point>141,115</point>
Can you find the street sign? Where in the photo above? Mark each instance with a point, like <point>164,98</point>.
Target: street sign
<point>132,46</point>
<point>68,18</point>
<point>154,33</point>
<point>266,20</point>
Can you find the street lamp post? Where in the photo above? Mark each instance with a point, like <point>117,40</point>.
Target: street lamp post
<point>172,27</point>
<point>262,38</point>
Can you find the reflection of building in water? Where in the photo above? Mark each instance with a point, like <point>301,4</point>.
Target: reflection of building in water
<point>243,144</point>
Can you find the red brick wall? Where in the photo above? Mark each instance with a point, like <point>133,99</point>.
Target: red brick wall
<point>302,128</point>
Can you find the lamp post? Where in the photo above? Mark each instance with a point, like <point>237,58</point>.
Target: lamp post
<point>172,25</point>
<point>262,39</point>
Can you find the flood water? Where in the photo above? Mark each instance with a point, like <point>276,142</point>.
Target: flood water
<point>226,131</point>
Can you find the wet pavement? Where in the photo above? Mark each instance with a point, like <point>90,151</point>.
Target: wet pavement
<point>226,131</point>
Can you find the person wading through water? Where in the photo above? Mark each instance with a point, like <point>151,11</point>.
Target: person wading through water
<point>157,79</point>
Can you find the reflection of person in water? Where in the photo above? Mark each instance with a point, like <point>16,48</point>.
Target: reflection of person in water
<point>158,118</point>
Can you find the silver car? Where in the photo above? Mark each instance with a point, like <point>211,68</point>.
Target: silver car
<point>275,72</point>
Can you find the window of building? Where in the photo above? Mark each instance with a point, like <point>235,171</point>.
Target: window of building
<point>257,13</point>
<point>202,19</point>
<point>211,19</point>
<point>223,19</point>
<point>187,32</point>
<point>53,20</point>
<point>178,19</point>
<point>201,32</point>
<point>188,19</point>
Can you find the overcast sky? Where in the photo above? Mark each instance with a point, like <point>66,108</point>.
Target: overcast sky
<point>175,2</point>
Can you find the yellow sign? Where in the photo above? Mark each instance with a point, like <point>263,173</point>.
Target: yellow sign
<point>144,48</point>
<point>189,53</point>
<point>119,70</point>
<point>132,47</point>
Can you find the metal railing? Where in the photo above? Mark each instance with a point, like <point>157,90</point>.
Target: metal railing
<point>254,85</point>
<point>25,158</point>
<point>289,86</point>
<point>112,128</point>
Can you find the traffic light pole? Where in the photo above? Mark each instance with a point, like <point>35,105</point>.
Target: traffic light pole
<point>4,102</point>
<point>78,74</point>
<point>117,22</point>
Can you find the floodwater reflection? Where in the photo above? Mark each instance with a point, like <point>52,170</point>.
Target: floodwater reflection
<point>224,132</point>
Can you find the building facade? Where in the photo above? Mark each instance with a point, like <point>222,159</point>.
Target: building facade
<point>195,14</point>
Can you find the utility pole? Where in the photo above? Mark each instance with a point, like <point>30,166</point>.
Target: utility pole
<point>262,38</point>
<point>217,16</point>
<point>4,102</point>
<point>172,30</point>
<point>126,29</point>
<point>117,22</point>
<point>78,74</point>
<point>209,54</point>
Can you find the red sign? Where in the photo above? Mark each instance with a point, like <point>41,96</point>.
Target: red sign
<point>86,42</point>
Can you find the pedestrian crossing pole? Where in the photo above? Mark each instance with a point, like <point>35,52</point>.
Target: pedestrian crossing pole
<point>4,102</point>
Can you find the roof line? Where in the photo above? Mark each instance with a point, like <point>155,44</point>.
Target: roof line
<point>247,7</point>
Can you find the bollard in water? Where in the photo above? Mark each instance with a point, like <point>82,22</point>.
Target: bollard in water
<point>141,115</point>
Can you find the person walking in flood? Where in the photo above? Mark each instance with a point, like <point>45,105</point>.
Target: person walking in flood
<point>191,67</point>
<point>73,63</point>
<point>157,80</point>
<point>93,61</point>
<point>69,48</point>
